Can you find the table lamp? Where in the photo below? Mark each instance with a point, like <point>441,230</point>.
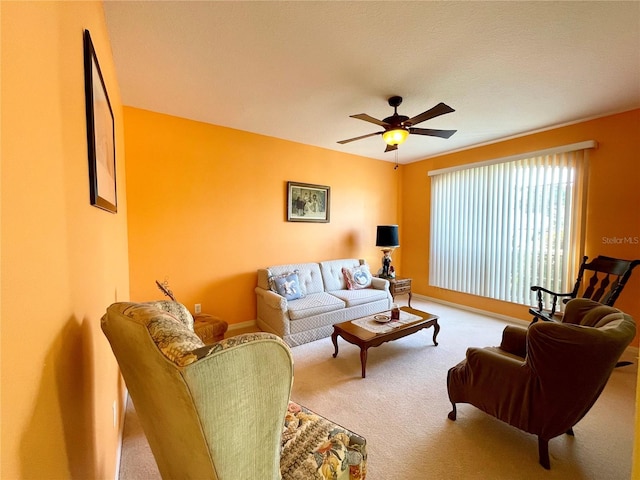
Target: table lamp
<point>387,239</point>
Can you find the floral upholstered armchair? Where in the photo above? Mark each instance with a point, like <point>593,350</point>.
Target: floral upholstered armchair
<point>222,411</point>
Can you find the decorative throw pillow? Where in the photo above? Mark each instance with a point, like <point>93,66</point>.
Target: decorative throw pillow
<point>288,286</point>
<point>272,282</point>
<point>357,277</point>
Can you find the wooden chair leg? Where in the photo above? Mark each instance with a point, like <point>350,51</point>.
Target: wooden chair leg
<point>543,453</point>
<point>452,413</point>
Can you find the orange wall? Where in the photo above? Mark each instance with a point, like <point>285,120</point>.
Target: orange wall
<point>612,208</point>
<point>207,209</point>
<point>63,261</point>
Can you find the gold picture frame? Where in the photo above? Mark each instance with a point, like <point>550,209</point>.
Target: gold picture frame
<point>307,202</point>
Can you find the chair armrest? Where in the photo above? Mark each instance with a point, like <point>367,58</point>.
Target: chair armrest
<point>537,288</point>
<point>492,363</point>
<point>272,312</point>
<point>514,340</point>
<point>554,301</point>
<point>497,370</point>
<point>272,299</point>
<point>544,315</point>
<point>379,283</point>
<point>236,341</point>
<point>488,374</point>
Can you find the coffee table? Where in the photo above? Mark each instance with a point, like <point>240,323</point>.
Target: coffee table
<point>366,339</point>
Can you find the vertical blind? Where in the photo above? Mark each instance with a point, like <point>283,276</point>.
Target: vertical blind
<point>499,227</point>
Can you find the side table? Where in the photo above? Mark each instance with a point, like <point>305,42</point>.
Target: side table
<point>400,286</point>
<point>210,329</point>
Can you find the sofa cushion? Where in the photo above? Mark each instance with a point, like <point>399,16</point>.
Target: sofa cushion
<point>360,296</point>
<point>332,275</point>
<point>314,304</point>
<point>308,275</point>
<point>357,277</point>
<point>288,286</point>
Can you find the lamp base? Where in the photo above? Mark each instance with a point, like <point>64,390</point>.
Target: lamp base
<point>387,271</point>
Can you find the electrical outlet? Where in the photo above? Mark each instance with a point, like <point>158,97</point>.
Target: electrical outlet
<point>198,309</point>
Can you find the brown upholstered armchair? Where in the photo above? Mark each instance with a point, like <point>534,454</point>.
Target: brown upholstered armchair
<point>543,379</point>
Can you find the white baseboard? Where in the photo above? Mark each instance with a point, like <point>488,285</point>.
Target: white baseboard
<point>242,325</point>
<point>123,412</point>
<point>506,318</point>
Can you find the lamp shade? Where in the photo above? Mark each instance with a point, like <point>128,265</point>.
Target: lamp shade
<point>387,236</point>
<point>395,136</point>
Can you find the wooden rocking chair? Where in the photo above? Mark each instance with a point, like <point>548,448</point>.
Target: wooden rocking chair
<point>604,286</point>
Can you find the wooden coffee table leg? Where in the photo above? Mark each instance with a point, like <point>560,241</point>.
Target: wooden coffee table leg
<point>363,361</point>
<point>436,330</point>
<point>334,339</point>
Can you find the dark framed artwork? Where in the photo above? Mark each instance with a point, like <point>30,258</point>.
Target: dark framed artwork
<point>100,133</point>
<point>307,202</point>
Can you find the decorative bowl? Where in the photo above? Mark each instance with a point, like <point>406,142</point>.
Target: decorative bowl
<point>381,318</point>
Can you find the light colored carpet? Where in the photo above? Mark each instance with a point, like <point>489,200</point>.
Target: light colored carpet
<point>401,409</point>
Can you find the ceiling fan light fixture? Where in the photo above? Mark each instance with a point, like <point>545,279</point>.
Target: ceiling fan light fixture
<point>398,127</point>
<point>395,136</point>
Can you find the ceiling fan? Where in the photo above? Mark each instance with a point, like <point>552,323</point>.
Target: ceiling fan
<point>398,127</point>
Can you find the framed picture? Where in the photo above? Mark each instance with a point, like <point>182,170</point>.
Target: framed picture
<point>100,133</point>
<point>307,202</point>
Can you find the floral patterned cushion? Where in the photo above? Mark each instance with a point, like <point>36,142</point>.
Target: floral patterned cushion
<point>175,339</point>
<point>233,342</point>
<point>335,453</point>
<point>173,336</point>
<point>177,310</point>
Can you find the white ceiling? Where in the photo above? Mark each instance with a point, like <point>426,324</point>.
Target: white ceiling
<point>297,70</point>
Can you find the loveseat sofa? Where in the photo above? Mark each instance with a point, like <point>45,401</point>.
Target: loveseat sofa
<point>301,302</point>
<point>223,411</point>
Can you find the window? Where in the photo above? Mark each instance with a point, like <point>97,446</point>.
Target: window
<point>501,226</point>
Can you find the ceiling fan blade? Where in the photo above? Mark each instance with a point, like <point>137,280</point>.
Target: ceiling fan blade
<point>369,118</point>
<point>436,111</point>
<point>360,137</point>
<point>391,148</point>
<point>432,132</point>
